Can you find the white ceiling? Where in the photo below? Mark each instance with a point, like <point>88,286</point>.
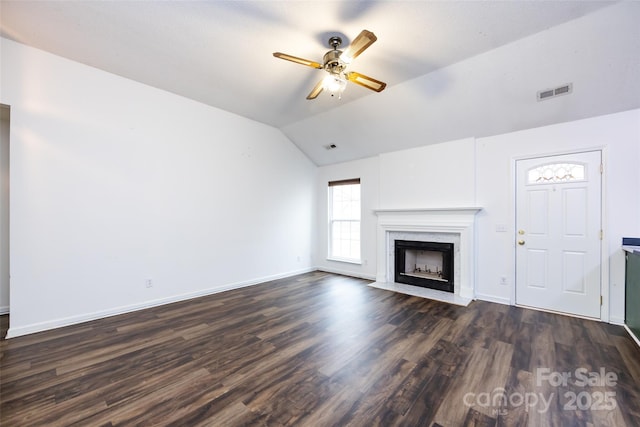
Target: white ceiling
<point>436,57</point>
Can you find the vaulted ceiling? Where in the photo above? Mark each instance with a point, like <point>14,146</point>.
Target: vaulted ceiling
<point>454,69</point>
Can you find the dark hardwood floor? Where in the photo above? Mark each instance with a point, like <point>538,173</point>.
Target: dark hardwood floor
<point>323,350</point>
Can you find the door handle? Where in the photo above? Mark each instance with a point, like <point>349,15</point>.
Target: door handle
<point>521,242</point>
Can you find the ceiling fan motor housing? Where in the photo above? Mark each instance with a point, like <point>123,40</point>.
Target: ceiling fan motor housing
<point>333,63</point>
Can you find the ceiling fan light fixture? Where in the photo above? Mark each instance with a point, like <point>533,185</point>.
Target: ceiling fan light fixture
<point>335,83</point>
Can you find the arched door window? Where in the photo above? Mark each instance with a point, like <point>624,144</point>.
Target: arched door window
<point>556,172</point>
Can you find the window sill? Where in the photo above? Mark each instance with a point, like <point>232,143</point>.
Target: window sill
<point>345,260</point>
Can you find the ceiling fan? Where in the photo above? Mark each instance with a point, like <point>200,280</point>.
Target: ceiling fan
<point>335,62</point>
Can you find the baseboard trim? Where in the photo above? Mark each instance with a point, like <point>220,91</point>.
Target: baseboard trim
<point>14,332</point>
<point>4,310</point>
<point>493,298</point>
<point>635,338</point>
<point>348,273</point>
<point>616,320</point>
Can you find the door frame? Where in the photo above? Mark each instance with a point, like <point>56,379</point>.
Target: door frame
<point>604,243</point>
<point>6,255</point>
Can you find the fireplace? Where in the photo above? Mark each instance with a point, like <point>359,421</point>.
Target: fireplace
<point>425,264</point>
<point>442,225</point>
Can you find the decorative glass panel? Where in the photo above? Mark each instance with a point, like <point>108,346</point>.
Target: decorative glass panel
<point>556,172</point>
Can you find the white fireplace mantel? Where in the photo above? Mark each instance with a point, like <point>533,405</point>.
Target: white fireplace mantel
<point>468,210</point>
<point>456,224</point>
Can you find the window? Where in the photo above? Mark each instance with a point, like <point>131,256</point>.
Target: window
<point>556,172</point>
<point>344,220</point>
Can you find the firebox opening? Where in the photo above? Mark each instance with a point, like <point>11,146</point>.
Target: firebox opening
<point>425,264</point>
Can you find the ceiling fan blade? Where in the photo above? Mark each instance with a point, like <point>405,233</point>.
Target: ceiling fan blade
<point>297,60</point>
<point>359,44</point>
<point>316,90</point>
<point>366,81</point>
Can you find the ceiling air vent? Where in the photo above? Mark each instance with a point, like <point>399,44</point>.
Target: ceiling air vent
<point>552,93</point>
<point>330,146</point>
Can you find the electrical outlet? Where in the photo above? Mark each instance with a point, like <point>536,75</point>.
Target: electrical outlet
<point>503,280</point>
<point>148,283</point>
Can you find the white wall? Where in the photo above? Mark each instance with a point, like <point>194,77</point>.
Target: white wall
<point>401,179</point>
<point>368,172</point>
<point>4,209</point>
<point>619,136</point>
<point>114,182</point>
<point>479,172</point>
<point>440,175</point>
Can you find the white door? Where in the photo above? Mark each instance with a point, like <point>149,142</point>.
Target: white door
<point>558,233</point>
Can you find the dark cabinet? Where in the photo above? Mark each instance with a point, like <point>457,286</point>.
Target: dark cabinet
<point>632,293</point>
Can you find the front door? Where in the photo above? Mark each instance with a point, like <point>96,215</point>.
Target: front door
<point>558,233</point>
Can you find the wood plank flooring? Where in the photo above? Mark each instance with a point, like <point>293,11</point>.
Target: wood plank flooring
<point>322,350</point>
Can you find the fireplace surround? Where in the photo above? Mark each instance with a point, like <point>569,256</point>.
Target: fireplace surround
<point>455,226</point>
